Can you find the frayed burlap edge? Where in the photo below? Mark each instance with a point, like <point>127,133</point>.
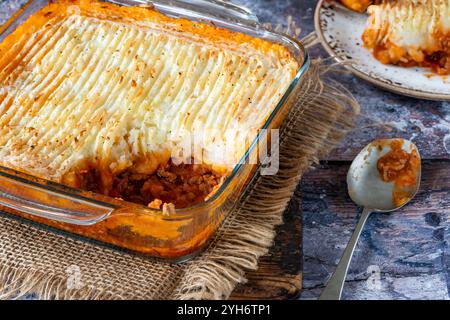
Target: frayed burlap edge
<point>320,119</point>
<point>18,283</point>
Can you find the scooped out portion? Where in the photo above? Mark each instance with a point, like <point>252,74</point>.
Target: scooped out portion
<point>401,168</point>
<point>410,33</point>
<point>100,97</point>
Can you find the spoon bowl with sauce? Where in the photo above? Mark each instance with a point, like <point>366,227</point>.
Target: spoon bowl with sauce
<point>384,177</point>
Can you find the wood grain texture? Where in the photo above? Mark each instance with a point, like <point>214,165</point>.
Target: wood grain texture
<point>280,272</point>
<point>409,247</point>
<point>383,114</point>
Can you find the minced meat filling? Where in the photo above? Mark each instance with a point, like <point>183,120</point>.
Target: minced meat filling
<point>182,185</point>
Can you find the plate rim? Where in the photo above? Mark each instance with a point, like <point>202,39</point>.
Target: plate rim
<point>365,76</point>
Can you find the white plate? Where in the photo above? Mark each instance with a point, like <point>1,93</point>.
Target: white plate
<point>339,30</point>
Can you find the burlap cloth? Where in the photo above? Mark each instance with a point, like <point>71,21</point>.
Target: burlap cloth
<point>37,261</point>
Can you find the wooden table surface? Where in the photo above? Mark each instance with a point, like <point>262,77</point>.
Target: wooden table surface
<point>403,255</point>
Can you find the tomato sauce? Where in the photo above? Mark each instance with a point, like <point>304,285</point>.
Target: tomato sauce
<point>400,167</point>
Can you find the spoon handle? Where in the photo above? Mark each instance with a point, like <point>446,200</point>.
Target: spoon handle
<point>334,287</point>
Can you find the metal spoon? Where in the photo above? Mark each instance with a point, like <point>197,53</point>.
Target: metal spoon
<point>367,189</point>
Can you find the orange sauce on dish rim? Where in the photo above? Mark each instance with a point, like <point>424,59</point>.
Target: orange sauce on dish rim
<point>149,233</point>
<point>401,168</point>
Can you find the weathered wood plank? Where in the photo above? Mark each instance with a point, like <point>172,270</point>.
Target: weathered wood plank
<point>409,246</point>
<point>329,215</point>
<point>280,272</point>
<point>384,114</point>
<point>425,123</point>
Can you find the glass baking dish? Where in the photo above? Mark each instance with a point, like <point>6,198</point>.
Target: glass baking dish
<point>174,236</point>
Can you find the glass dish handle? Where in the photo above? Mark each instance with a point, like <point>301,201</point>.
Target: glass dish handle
<point>203,9</point>
<point>234,11</point>
<point>40,201</point>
